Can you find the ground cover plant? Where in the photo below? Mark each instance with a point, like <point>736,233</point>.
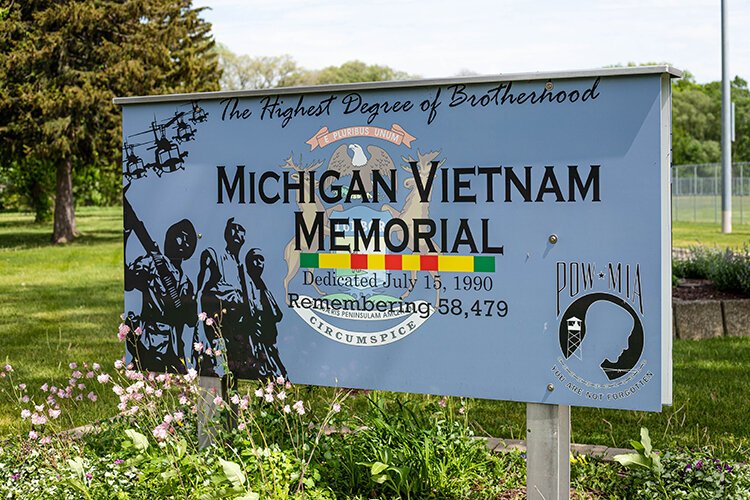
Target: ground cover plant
<point>59,305</point>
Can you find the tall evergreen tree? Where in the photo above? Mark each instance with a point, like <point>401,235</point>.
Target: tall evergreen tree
<point>62,62</point>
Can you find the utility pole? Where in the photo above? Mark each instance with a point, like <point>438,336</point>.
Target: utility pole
<point>726,129</point>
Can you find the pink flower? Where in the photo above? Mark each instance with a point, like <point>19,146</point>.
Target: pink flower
<point>202,316</point>
<point>103,378</point>
<point>209,321</point>
<point>161,432</point>
<point>81,387</point>
<point>178,416</point>
<point>73,366</point>
<point>45,440</point>
<point>287,409</point>
<point>33,435</point>
<point>269,398</point>
<point>138,331</point>
<point>45,387</point>
<point>90,375</point>
<point>184,400</point>
<point>235,399</point>
<point>8,368</point>
<point>168,418</point>
<point>37,419</point>
<point>119,364</point>
<point>79,397</point>
<point>158,393</point>
<point>54,414</point>
<point>198,346</point>
<point>336,407</point>
<point>259,393</point>
<point>299,407</point>
<point>118,390</point>
<point>96,366</point>
<point>122,406</point>
<point>218,401</point>
<point>462,410</point>
<point>279,380</point>
<point>442,403</point>
<point>22,387</point>
<point>288,385</point>
<point>209,352</point>
<point>241,426</point>
<point>243,403</point>
<point>191,375</point>
<point>123,331</point>
<point>39,407</point>
<point>281,396</point>
<point>76,374</point>
<point>25,414</point>
<point>217,352</point>
<point>25,399</point>
<point>92,396</point>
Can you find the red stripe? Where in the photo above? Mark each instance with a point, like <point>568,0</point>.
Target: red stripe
<point>359,261</point>
<point>393,262</point>
<point>428,262</point>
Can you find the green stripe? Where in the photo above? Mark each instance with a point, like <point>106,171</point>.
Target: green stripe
<point>309,260</point>
<point>484,264</point>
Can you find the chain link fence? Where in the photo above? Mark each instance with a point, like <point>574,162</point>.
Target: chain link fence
<point>696,193</point>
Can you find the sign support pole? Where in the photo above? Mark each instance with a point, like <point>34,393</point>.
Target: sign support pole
<point>547,452</point>
<point>209,388</point>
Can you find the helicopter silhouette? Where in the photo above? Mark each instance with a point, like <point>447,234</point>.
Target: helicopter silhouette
<point>183,131</point>
<point>199,115</point>
<point>132,163</point>
<point>167,155</point>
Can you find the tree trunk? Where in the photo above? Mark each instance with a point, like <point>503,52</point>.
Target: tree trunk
<point>64,230</point>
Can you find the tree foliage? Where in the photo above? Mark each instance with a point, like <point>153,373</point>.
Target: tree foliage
<point>62,62</point>
<point>243,72</point>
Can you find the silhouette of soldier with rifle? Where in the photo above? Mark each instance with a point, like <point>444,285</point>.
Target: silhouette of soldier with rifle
<point>224,296</point>
<point>265,315</point>
<point>168,312</point>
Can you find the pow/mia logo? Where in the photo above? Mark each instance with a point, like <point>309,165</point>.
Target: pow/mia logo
<point>600,330</point>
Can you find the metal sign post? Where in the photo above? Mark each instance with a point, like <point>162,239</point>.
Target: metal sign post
<point>547,451</point>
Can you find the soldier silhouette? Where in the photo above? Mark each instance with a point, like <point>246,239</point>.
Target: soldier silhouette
<point>266,314</point>
<point>168,310</point>
<point>224,296</point>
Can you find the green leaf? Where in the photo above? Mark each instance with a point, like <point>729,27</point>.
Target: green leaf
<point>249,496</point>
<point>380,479</point>
<point>632,459</point>
<point>76,465</point>
<point>377,468</point>
<point>233,473</point>
<point>139,440</point>
<point>646,440</point>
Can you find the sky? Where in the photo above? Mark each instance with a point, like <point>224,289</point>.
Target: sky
<point>445,38</point>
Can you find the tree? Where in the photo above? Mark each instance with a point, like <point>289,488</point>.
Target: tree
<point>62,62</point>
<point>242,72</point>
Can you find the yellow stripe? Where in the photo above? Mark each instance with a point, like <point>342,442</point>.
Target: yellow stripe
<point>334,261</point>
<point>376,261</point>
<point>410,262</point>
<point>456,263</point>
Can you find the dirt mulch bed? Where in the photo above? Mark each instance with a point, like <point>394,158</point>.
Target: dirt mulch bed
<point>694,289</point>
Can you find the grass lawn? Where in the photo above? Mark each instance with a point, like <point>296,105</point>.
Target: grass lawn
<point>61,304</point>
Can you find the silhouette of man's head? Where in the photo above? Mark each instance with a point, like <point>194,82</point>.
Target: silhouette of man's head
<point>255,263</point>
<point>180,240</point>
<point>234,235</point>
<point>602,331</point>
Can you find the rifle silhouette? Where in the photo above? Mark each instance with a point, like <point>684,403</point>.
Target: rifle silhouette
<point>171,302</point>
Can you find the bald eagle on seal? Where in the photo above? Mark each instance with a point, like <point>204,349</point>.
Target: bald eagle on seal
<point>344,164</point>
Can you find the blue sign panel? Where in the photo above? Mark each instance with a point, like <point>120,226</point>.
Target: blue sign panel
<point>500,239</point>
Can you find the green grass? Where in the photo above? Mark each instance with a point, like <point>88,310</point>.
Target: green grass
<point>688,234</point>
<point>707,209</point>
<point>61,304</point>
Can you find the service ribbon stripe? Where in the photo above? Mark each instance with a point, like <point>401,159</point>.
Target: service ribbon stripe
<point>394,262</point>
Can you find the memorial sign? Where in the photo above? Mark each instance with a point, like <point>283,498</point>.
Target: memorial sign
<point>497,237</point>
